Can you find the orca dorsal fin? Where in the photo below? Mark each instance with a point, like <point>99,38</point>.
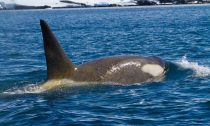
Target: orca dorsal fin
<point>58,64</point>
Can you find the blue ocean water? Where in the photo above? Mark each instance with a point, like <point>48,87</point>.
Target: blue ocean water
<point>179,34</point>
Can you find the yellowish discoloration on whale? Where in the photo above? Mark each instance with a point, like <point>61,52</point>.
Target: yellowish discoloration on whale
<point>153,69</point>
<point>52,84</point>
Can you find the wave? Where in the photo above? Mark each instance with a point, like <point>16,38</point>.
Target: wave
<point>199,70</point>
<point>52,85</point>
<point>29,89</point>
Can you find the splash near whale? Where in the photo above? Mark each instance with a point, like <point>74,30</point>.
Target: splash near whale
<point>115,69</point>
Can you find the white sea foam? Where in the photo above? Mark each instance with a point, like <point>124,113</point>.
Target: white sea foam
<point>29,89</point>
<point>36,89</point>
<point>200,70</point>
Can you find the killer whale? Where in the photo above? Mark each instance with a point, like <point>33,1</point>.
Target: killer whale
<point>115,69</point>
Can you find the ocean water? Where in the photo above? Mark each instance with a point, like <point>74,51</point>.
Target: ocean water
<point>179,34</point>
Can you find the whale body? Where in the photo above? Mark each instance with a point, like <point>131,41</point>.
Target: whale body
<point>115,69</point>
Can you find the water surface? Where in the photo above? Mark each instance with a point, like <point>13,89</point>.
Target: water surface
<point>179,34</point>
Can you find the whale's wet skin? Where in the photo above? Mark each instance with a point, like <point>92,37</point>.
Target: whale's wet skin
<point>115,69</point>
<point>173,93</point>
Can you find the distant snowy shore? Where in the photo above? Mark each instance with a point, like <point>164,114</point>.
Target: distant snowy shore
<point>44,4</point>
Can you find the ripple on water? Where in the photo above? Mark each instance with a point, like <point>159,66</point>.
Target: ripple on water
<point>168,32</point>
